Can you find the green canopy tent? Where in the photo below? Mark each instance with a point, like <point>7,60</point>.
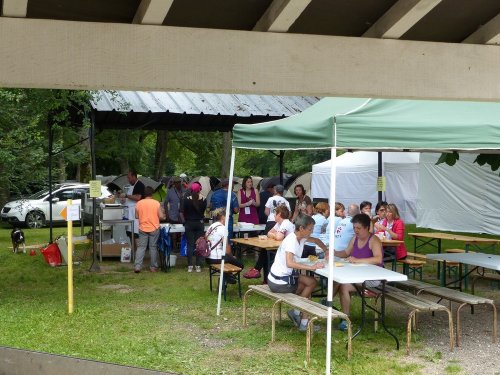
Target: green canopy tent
<point>378,125</point>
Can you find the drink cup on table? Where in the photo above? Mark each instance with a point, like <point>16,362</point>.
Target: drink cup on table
<point>245,236</point>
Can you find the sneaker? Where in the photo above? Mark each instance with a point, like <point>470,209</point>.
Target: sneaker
<point>343,325</point>
<point>190,268</point>
<point>153,269</point>
<point>303,328</point>
<point>252,274</point>
<point>198,269</point>
<point>137,270</point>
<point>294,318</point>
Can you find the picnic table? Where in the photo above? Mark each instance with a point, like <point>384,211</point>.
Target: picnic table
<point>179,228</point>
<point>434,239</point>
<point>477,260</point>
<point>268,245</point>
<point>359,273</point>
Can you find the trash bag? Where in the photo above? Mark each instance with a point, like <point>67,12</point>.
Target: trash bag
<point>184,246</point>
<point>164,248</point>
<point>52,255</point>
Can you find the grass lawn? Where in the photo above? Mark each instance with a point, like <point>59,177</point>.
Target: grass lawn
<point>168,321</point>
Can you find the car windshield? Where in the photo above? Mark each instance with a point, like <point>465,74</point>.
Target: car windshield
<point>39,194</point>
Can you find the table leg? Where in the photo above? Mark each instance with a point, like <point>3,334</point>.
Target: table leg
<point>466,278</point>
<point>439,263</point>
<point>363,309</point>
<point>443,274</point>
<point>382,315</point>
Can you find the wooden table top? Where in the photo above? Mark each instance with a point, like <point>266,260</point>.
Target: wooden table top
<point>455,237</point>
<point>267,244</point>
<point>391,242</point>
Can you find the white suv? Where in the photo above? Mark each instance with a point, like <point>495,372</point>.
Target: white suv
<point>34,210</point>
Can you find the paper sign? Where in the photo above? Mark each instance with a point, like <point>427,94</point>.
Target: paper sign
<point>73,212</point>
<point>381,183</point>
<point>95,188</point>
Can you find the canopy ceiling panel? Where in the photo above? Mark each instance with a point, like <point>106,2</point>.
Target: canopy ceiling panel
<point>380,124</point>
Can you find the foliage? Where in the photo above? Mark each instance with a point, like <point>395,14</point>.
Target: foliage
<point>493,160</point>
<point>24,118</point>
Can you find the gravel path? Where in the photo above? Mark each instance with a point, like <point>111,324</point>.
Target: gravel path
<point>477,354</point>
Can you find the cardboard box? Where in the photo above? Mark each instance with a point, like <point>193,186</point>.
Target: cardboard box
<point>112,250</point>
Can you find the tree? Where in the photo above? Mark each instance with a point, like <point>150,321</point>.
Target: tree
<point>493,160</point>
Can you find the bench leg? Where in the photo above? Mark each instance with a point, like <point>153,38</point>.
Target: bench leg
<point>450,324</point>
<point>349,337</point>
<point>459,333</point>
<point>411,316</point>
<point>273,319</point>
<point>310,330</point>
<point>494,333</point>
<point>245,301</point>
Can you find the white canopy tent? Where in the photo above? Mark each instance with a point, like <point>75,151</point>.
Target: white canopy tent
<point>357,178</point>
<point>461,198</point>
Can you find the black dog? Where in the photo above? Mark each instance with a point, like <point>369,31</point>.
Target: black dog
<point>17,237</point>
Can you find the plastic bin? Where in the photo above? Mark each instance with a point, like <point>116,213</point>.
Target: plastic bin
<point>173,260</point>
<point>52,255</point>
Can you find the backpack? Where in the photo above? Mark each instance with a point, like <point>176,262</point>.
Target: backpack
<point>203,246</point>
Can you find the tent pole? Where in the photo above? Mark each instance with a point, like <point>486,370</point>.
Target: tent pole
<point>379,165</point>
<point>331,247</point>
<point>281,156</point>
<point>51,138</point>
<point>228,212</point>
<point>95,266</point>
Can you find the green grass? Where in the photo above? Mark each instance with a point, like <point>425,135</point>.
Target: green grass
<point>168,322</point>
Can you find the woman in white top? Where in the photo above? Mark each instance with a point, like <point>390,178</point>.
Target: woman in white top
<point>284,277</point>
<point>216,233</point>
<point>280,230</point>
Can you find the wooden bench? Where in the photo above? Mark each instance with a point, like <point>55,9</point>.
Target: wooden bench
<point>314,309</point>
<point>485,276</point>
<point>416,304</point>
<point>452,295</point>
<point>412,267</point>
<point>417,256</point>
<point>229,269</point>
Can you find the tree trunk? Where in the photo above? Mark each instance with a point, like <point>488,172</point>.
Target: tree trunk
<point>4,187</point>
<point>160,154</point>
<point>226,154</point>
<point>62,167</point>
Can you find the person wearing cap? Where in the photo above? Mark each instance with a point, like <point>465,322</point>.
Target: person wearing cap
<point>172,204</point>
<point>219,199</point>
<point>192,213</point>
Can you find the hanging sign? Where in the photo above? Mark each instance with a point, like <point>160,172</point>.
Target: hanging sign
<point>95,188</point>
<point>381,183</point>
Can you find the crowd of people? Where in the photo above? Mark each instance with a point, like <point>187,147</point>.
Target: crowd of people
<point>304,232</point>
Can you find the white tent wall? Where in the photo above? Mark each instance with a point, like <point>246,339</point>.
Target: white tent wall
<point>459,198</point>
<point>357,177</point>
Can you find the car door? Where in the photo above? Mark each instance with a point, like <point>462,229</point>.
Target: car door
<point>60,201</point>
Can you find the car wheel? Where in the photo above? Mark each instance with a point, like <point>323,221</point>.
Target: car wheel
<point>35,219</point>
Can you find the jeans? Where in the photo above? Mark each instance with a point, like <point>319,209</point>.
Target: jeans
<point>193,230</point>
<point>145,239</point>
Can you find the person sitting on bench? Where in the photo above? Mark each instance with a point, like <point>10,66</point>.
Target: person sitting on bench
<point>284,277</point>
<point>363,248</point>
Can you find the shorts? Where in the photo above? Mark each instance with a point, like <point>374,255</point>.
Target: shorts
<point>282,288</point>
